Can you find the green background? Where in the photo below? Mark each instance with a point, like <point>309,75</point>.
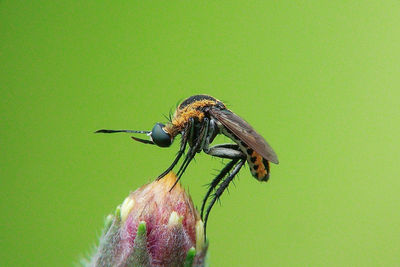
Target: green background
<point>320,80</point>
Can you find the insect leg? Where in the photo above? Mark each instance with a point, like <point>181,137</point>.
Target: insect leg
<point>192,151</point>
<point>221,190</point>
<point>230,151</point>
<point>216,181</point>
<point>190,155</point>
<point>211,133</point>
<point>201,139</point>
<point>187,132</point>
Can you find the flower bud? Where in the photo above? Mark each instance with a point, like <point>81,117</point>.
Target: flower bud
<point>153,227</point>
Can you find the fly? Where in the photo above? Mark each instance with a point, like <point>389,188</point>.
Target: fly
<point>199,119</point>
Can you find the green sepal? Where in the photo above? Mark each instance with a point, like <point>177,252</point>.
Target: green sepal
<point>117,213</point>
<point>140,255</point>
<point>108,222</point>
<point>109,239</point>
<point>190,257</point>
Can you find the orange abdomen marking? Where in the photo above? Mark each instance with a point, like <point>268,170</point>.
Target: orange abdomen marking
<point>259,166</point>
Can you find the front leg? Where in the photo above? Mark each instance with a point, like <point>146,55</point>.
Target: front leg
<point>187,134</point>
<point>192,150</point>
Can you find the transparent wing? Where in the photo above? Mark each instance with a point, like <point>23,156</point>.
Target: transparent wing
<point>245,132</point>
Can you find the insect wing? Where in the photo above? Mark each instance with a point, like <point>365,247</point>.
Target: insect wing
<point>245,133</point>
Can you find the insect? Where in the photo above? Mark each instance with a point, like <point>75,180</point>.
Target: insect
<point>199,119</point>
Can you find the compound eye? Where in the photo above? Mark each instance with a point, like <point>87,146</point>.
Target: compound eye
<point>159,136</point>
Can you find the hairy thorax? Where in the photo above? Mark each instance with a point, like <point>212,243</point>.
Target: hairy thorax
<point>190,109</point>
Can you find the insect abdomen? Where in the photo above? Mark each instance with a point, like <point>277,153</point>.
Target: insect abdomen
<point>259,167</point>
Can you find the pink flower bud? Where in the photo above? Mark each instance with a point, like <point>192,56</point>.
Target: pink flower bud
<point>153,227</point>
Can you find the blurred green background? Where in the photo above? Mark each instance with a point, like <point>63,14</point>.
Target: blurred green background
<point>320,80</point>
